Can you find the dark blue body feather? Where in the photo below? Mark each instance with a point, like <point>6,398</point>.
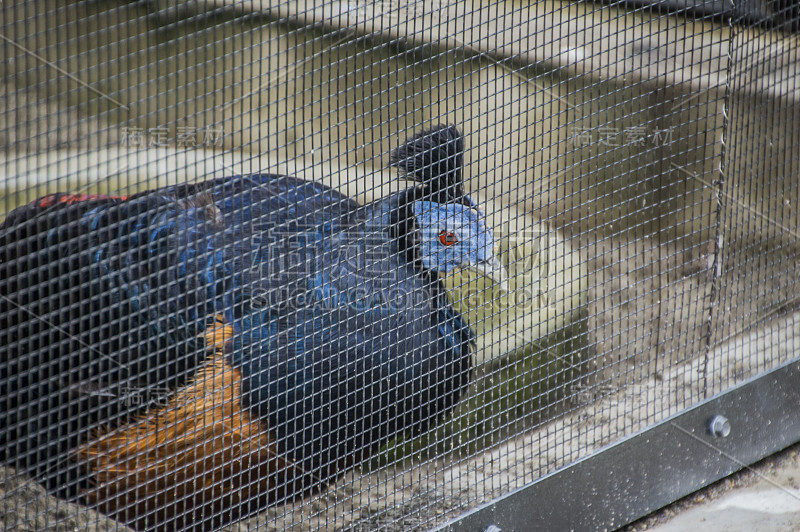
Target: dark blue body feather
<point>343,341</point>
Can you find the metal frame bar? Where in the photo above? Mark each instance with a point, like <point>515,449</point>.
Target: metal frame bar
<point>657,466</point>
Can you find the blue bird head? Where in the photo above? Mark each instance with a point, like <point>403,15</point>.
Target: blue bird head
<point>454,236</point>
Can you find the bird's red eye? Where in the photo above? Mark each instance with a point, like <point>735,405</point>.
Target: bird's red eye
<point>448,238</point>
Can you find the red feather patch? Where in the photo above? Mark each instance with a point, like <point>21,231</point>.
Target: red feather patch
<point>55,199</point>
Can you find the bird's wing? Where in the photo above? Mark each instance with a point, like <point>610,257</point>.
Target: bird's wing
<point>105,299</point>
<point>363,348</point>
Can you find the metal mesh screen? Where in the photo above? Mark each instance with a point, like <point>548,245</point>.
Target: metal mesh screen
<point>512,236</point>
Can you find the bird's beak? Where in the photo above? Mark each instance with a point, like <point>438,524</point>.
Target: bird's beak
<point>492,269</point>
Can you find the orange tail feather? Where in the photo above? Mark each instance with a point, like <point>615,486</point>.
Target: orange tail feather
<point>195,464</point>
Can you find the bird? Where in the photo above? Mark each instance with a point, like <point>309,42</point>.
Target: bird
<point>182,358</point>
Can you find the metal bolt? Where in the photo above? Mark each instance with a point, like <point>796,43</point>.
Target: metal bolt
<point>720,426</point>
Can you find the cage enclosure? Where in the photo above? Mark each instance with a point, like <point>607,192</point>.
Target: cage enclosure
<point>630,171</point>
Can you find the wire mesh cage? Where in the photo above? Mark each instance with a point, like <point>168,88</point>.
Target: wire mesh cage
<point>392,265</point>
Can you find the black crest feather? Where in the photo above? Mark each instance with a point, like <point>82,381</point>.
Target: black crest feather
<point>434,158</point>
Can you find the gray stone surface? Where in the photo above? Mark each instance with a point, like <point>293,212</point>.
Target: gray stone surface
<point>763,498</point>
